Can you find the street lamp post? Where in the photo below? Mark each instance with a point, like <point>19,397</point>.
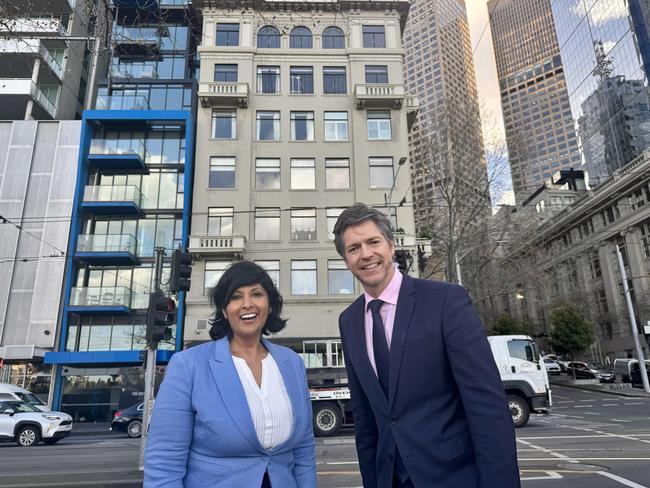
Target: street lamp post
<point>630,309</point>
<point>458,256</point>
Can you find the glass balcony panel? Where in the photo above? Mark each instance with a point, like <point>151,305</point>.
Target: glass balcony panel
<point>126,71</point>
<point>115,193</point>
<point>117,147</point>
<point>107,243</point>
<point>106,296</point>
<point>122,102</point>
<point>136,34</point>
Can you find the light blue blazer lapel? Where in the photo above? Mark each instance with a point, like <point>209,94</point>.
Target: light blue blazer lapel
<point>292,382</point>
<point>232,392</point>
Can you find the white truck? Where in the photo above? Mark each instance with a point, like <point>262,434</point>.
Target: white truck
<point>522,371</point>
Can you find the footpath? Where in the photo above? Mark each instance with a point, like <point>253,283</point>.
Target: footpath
<point>619,389</point>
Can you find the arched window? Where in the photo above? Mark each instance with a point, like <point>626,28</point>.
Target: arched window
<point>268,37</point>
<point>300,38</point>
<point>333,38</point>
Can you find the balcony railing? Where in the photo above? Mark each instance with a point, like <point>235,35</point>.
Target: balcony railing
<point>211,244</point>
<point>43,101</point>
<point>113,193</point>
<point>124,71</point>
<point>117,147</point>
<point>379,95</point>
<point>122,102</point>
<point>101,296</point>
<point>33,25</point>
<point>107,243</point>
<point>223,92</point>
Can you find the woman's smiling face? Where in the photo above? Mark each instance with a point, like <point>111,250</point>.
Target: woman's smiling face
<point>248,310</point>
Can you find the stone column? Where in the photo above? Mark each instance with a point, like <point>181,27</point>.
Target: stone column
<point>30,102</point>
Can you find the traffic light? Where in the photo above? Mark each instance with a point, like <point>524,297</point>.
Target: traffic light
<point>422,259</point>
<point>404,260</point>
<point>160,317</point>
<point>181,271</point>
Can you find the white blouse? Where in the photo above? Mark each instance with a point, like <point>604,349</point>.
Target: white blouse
<point>269,404</point>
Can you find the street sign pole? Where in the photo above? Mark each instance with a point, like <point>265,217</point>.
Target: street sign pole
<point>635,333</point>
<point>150,367</point>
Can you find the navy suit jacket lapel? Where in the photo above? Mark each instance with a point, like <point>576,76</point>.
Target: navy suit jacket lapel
<point>356,337</point>
<point>232,392</point>
<point>403,313</point>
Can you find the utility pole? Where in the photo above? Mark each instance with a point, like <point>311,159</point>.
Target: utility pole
<point>150,365</point>
<point>635,333</point>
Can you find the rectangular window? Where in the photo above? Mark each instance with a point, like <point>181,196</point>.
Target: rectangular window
<point>303,174</point>
<point>267,224</point>
<point>273,269</point>
<point>213,272</point>
<point>303,224</point>
<point>227,34</point>
<point>336,126</point>
<point>224,124</point>
<point>379,125</point>
<point>376,74</point>
<point>374,36</point>
<point>332,216</point>
<point>391,214</point>
<point>381,172</point>
<point>645,239</point>
<point>337,174</point>
<point>222,172</point>
<point>303,277</point>
<point>267,174</point>
<point>302,126</point>
<point>268,79</point>
<point>339,278</point>
<point>225,72</point>
<point>334,81</point>
<point>220,221</point>
<point>268,126</point>
<point>301,79</point>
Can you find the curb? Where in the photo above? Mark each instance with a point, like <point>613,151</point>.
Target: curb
<point>637,394</point>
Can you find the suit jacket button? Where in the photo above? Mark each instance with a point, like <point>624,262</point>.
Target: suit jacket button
<point>393,420</point>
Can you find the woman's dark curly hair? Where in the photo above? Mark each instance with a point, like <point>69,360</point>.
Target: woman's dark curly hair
<point>244,273</point>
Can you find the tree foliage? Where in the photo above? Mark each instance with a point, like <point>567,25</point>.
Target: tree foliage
<point>507,325</point>
<point>572,332</point>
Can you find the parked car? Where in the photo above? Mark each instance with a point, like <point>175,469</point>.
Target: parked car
<point>635,373</point>
<point>129,420</point>
<point>16,393</point>
<point>559,360</point>
<point>551,365</point>
<point>591,371</point>
<point>623,368</point>
<point>27,425</point>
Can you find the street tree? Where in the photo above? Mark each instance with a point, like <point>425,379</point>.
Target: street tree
<point>507,325</point>
<point>572,333</point>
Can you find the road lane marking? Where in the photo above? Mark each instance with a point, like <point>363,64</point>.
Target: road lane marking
<point>634,403</point>
<point>583,406</point>
<point>621,436</point>
<point>621,480</point>
<point>620,420</point>
<point>580,459</point>
<point>552,475</point>
<point>547,451</point>
<point>610,405</point>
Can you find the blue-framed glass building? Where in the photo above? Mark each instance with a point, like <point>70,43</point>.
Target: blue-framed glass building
<point>133,194</point>
<point>604,48</point>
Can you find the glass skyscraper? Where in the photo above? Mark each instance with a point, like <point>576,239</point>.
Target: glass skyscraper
<point>603,46</point>
<point>538,122</point>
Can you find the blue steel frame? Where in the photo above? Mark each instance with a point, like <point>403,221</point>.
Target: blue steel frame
<point>109,358</point>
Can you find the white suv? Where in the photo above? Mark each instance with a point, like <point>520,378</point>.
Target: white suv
<point>27,425</point>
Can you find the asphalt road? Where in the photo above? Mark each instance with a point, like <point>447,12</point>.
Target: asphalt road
<point>590,440</point>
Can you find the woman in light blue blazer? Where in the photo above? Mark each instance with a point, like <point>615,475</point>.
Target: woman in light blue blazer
<point>234,412</point>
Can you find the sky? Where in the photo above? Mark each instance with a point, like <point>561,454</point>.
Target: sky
<point>486,71</point>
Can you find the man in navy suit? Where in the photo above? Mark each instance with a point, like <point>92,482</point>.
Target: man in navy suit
<point>428,403</point>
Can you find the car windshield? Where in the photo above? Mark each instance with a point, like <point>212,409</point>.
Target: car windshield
<point>595,366</point>
<point>30,398</point>
<point>18,407</point>
<point>548,360</point>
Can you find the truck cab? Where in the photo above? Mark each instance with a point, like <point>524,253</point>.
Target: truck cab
<point>523,375</point>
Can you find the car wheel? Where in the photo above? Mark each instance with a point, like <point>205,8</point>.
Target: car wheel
<point>519,410</point>
<point>134,429</point>
<point>28,436</point>
<point>327,419</point>
<point>51,442</point>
